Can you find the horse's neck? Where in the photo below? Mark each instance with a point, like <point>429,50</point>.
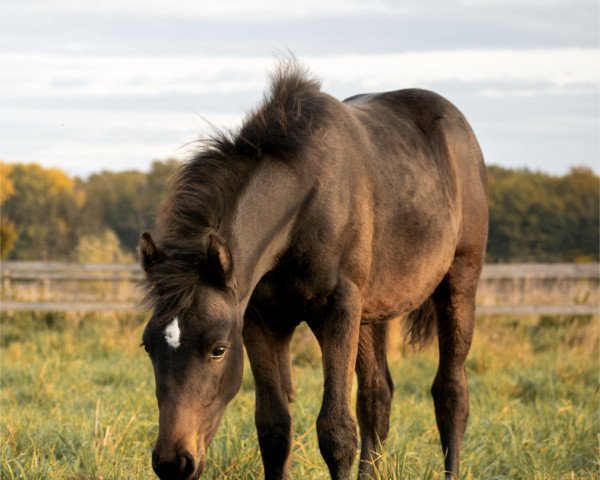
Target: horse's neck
<point>264,216</point>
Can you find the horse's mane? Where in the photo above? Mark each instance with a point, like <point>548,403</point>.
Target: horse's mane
<point>201,196</point>
<point>283,122</point>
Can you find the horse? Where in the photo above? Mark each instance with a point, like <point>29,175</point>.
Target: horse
<point>340,214</point>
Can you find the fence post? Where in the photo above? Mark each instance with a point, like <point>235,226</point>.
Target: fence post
<point>45,285</point>
<point>116,284</point>
<point>7,293</point>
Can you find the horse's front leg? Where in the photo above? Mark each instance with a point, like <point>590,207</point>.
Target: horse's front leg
<point>269,355</point>
<point>337,334</point>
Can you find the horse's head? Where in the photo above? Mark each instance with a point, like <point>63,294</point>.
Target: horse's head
<point>194,340</point>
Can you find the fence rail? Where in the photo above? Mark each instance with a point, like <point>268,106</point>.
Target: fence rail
<point>507,289</point>
<point>572,271</point>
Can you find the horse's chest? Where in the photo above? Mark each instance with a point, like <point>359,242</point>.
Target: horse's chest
<point>294,291</point>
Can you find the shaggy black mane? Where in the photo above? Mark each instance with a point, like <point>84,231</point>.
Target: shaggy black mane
<point>202,194</point>
<point>282,124</point>
<point>204,189</point>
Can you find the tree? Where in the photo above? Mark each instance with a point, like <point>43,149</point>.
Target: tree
<point>45,214</point>
<point>45,207</point>
<point>127,202</point>
<point>103,248</point>
<point>118,199</point>
<point>580,190</point>
<point>542,218</point>
<point>159,176</point>
<point>8,231</point>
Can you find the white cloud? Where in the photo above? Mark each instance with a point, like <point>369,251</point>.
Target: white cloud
<point>107,132</point>
<point>241,10</point>
<point>557,67</point>
<point>85,141</point>
<point>533,92</point>
<point>64,76</point>
<point>521,3</point>
<point>72,75</point>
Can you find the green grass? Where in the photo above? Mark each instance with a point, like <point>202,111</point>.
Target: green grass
<point>77,402</point>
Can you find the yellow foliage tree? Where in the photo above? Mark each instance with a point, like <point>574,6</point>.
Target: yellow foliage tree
<point>46,205</point>
<point>8,231</point>
<point>103,248</point>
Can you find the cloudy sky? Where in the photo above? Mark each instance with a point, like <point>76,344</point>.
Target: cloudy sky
<point>115,84</point>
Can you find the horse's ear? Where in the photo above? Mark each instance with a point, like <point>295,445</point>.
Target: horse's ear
<point>150,254</point>
<point>219,260</point>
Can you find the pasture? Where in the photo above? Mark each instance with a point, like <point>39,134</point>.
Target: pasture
<point>77,402</point>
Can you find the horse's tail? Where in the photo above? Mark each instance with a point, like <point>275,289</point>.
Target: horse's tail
<point>420,325</point>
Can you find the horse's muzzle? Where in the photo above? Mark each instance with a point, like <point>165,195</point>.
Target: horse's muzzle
<point>183,467</point>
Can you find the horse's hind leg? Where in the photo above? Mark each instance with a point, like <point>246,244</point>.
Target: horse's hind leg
<point>374,396</point>
<point>269,355</point>
<point>455,303</point>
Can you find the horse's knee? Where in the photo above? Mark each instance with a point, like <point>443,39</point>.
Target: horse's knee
<point>451,398</point>
<point>449,383</point>
<point>275,431</point>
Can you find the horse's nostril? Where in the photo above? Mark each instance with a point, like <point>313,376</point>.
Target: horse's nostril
<point>187,466</point>
<point>180,469</point>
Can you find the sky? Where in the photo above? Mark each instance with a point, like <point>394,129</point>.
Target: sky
<point>115,84</point>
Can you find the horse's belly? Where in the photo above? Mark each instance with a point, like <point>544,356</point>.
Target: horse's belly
<point>408,266</point>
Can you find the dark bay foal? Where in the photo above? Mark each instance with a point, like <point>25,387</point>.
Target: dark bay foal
<point>340,214</point>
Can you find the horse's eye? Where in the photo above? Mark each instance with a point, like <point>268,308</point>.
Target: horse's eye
<point>145,347</point>
<point>218,352</point>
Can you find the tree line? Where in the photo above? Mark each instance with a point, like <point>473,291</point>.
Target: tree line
<point>46,214</point>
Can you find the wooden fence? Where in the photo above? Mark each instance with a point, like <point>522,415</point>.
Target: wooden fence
<point>515,289</point>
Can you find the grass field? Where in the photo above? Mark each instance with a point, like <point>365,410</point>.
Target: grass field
<point>77,402</point>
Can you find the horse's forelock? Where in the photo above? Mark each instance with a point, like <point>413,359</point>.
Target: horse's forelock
<point>172,285</point>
